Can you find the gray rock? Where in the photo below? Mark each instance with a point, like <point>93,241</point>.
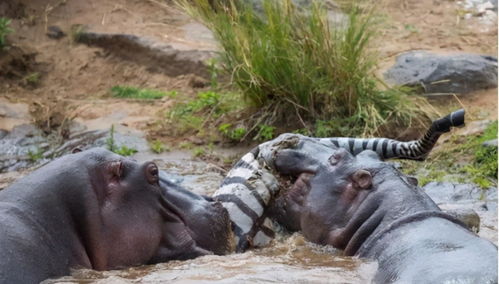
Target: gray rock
<point>461,73</point>
<point>468,216</point>
<point>3,133</point>
<point>447,192</point>
<point>55,32</point>
<point>490,143</point>
<point>334,13</point>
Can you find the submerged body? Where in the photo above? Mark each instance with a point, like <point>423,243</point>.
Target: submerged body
<point>92,209</point>
<point>368,208</point>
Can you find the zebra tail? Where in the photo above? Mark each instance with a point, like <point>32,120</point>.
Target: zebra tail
<point>390,148</point>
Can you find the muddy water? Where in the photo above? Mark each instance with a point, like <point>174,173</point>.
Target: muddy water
<point>291,260</point>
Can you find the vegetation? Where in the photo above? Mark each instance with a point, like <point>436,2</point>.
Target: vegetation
<point>35,155</point>
<point>137,93</point>
<point>77,32</point>
<point>205,114</point>
<point>295,69</point>
<point>113,147</point>
<point>158,147</point>
<point>32,79</point>
<point>4,31</point>
<point>461,159</point>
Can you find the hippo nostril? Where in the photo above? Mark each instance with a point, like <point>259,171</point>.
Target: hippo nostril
<point>152,173</point>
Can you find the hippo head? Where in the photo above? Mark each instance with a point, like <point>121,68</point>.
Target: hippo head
<point>132,221</point>
<point>348,198</point>
<point>207,220</point>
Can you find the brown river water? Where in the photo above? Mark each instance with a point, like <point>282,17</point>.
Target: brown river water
<point>289,260</point>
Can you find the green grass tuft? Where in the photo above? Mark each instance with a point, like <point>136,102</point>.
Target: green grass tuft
<point>4,31</point>
<point>461,159</point>
<point>137,93</point>
<point>158,147</point>
<point>120,150</point>
<point>296,68</point>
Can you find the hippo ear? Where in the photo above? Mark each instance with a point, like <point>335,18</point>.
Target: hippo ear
<point>362,179</point>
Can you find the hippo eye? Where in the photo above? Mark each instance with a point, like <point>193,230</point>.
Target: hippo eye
<point>152,173</point>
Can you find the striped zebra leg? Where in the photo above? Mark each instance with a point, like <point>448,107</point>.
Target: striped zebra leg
<point>389,148</point>
<point>246,193</point>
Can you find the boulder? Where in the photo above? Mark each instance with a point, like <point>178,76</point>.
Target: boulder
<point>459,73</point>
<point>448,192</point>
<point>54,32</point>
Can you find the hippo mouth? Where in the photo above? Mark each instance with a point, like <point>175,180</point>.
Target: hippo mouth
<point>207,220</point>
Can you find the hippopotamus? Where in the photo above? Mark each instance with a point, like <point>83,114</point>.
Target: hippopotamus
<point>92,209</point>
<point>252,194</point>
<point>368,208</point>
<point>111,212</point>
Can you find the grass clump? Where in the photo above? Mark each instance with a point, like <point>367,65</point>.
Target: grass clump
<point>461,159</point>
<point>158,147</point>
<point>32,79</point>
<point>484,166</point>
<point>4,31</point>
<point>137,93</point>
<point>204,115</point>
<point>77,32</point>
<point>120,150</point>
<point>35,155</point>
<point>295,68</point>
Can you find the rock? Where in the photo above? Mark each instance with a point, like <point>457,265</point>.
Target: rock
<point>490,143</point>
<point>461,73</point>
<point>494,4</point>
<point>55,32</point>
<point>448,192</point>
<point>156,56</point>
<point>468,216</point>
<point>334,12</point>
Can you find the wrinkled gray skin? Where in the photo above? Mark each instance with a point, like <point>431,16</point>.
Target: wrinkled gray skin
<point>369,209</point>
<point>207,220</point>
<point>92,209</point>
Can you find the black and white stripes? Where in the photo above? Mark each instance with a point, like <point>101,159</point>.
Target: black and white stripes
<point>246,193</point>
<point>389,148</point>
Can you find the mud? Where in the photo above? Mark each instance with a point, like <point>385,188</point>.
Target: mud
<point>155,56</point>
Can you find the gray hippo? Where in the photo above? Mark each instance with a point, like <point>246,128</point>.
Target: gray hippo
<point>368,208</point>
<point>92,209</point>
<point>253,197</point>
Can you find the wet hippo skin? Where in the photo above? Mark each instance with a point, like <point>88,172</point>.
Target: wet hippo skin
<point>369,209</point>
<point>92,209</point>
<point>207,220</point>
